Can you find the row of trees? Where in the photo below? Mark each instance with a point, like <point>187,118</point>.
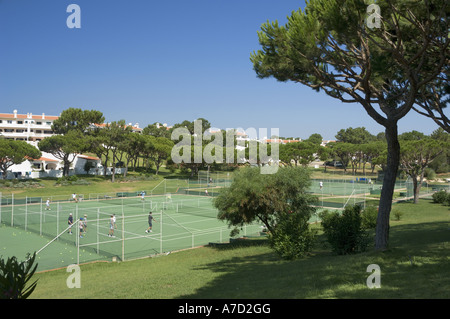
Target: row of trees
<point>79,131</point>
<point>356,147</point>
<point>15,152</point>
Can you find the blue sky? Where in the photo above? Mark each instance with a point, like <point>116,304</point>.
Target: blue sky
<point>149,61</point>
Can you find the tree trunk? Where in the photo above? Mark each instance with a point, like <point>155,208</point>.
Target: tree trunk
<point>387,192</point>
<point>416,189</point>
<point>158,163</point>
<point>66,166</point>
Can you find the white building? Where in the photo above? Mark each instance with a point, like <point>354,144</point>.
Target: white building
<point>32,129</point>
<point>26,127</point>
<point>49,166</point>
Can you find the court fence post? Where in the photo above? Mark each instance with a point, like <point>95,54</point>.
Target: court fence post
<point>12,210</point>
<point>161,234</point>
<point>123,235</point>
<point>98,230</point>
<point>78,234</point>
<point>26,212</point>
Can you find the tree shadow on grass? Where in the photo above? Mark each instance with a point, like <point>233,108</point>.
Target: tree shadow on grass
<point>416,266</point>
<point>416,235</point>
<point>240,243</point>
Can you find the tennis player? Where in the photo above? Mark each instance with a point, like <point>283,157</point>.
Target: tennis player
<point>150,222</point>
<point>81,227</point>
<point>111,226</point>
<point>70,223</point>
<point>85,224</point>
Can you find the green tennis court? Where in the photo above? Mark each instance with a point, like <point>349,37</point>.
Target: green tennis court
<point>181,221</point>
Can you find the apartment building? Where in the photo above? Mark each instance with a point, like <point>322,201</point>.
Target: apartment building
<point>26,127</point>
<point>34,128</point>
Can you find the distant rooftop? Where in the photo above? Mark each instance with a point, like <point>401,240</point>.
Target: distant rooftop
<point>15,115</point>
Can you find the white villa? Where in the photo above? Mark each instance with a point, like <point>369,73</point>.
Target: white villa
<point>32,129</point>
<point>26,127</point>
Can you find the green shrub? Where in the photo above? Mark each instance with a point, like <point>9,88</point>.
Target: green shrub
<point>369,217</point>
<point>345,232</point>
<point>440,197</point>
<point>397,214</point>
<point>20,183</point>
<point>71,180</point>
<point>447,200</point>
<point>430,174</point>
<point>14,278</point>
<point>292,237</point>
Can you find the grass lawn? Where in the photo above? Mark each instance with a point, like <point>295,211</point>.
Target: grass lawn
<point>415,266</point>
<point>97,184</point>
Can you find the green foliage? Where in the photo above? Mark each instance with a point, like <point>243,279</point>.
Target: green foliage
<point>280,201</point>
<point>292,238</point>
<point>88,166</point>
<point>441,164</point>
<point>265,197</point>
<point>345,232</point>
<point>397,214</point>
<point>429,173</point>
<point>156,130</point>
<point>140,177</point>
<point>74,119</point>
<point>15,152</point>
<point>301,153</point>
<point>63,147</point>
<point>329,47</point>
<point>416,154</point>
<point>358,135</point>
<point>15,277</point>
<point>71,180</point>
<point>315,138</point>
<point>369,217</point>
<point>412,136</point>
<point>15,183</point>
<point>440,197</point>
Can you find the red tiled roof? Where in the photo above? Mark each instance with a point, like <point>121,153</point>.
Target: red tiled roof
<point>89,157</point>
<point>105,125</point>
<point>281,141</point>
<point>24,116</point>
<point>42,159</point>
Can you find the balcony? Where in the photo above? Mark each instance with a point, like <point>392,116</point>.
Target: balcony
<point>14,125</point>
<point>25,134</point>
